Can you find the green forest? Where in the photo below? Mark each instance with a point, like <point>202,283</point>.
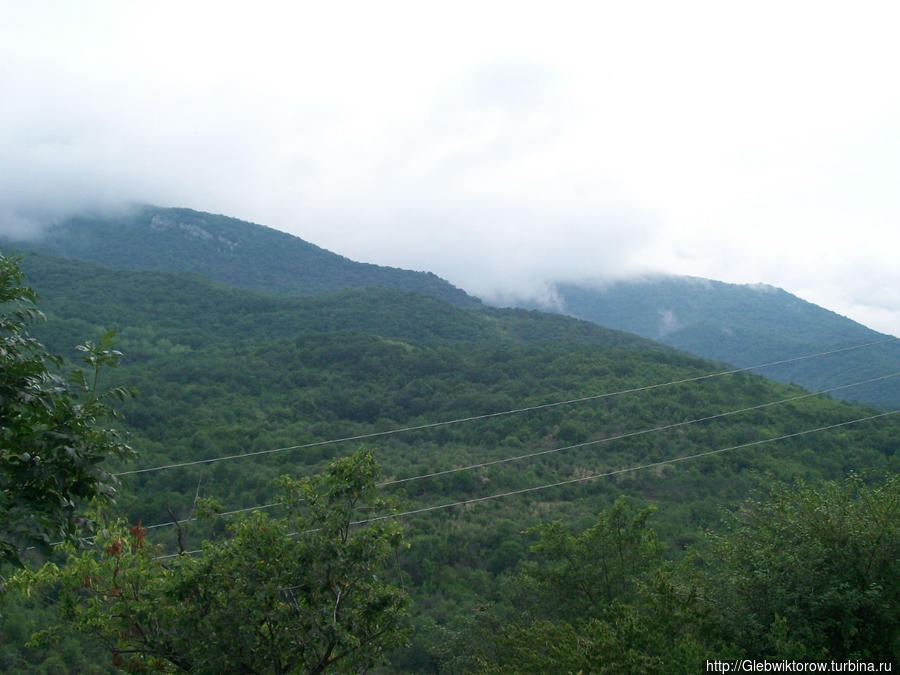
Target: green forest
<point>377,480</point>
<point>744,325</point>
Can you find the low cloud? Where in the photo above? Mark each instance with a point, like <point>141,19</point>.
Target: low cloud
<point>547,150</point>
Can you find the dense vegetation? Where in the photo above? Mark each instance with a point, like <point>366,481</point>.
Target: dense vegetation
<point>799,574</point>
<point>301,593</point>
<point>737,324</point>
<point>743,325</point>
<point>223,372</point>
<point>53,447</point>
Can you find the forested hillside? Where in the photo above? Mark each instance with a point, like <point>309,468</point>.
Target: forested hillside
<point>734,324</point>
<point>743,325</point>
<point>228,250</point>
<point>485,422</point>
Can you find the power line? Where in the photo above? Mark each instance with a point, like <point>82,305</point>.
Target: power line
<point>572,481</point>
<point>632,434</point>
<point>539,453</point>
<point>515,411</point>
<point>616,472</point>
<point>220,514</point>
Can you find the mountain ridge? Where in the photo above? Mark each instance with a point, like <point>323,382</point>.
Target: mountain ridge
<point>224,249</point>
<point>275,383</point>
<point>739,324</point>
<point>72,290</point>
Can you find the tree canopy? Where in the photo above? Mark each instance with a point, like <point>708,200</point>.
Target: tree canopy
<point>270,383</point>
<point>302,593</point>
<point>804,573</point>
<point>52,440</point>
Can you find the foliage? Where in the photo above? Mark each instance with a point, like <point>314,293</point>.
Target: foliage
<point>745,325</point>
<point>811,573</point>
<point>581,575</point>
<point>601,601</point>
<point>22,616</point>
<point>740,324</point>
<point>223,371</point>
<point>301,594</point>
<point>52,444</point>
<point>805,574</point>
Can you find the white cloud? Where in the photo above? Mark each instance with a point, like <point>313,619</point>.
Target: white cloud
<point>497,144</point>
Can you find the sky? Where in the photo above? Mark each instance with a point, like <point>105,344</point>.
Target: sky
<point>500,145</point>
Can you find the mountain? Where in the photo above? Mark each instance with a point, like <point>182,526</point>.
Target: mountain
<point>739,325</point>
<point>486,422</point>
<point>744,325</point>
<point>228,250</point>
<point>220,371</point>
<point>188,311</point>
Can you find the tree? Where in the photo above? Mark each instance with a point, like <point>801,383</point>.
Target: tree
<point>579,576</point>
<point>301,594</point>
<point>805,573</point>
<point>52,442</point>
<point>811,573</point>
<point>601,601</point>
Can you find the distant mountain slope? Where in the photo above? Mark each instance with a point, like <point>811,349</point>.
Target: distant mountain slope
<point>232,251</point>
<point>506,411</point>
<point>187,311</point>
<point>743,325</point>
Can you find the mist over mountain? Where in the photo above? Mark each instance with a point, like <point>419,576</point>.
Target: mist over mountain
<point>743,325</point>
<point>497,463</point>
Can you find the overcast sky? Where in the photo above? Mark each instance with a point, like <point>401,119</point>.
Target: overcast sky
<point>497,144</point>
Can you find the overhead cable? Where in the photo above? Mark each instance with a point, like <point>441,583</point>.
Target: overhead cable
<point>607,439</point>
<point>649,465</point>
<point>582,479</point>
<point>515,411</point>
<point>632,434</point>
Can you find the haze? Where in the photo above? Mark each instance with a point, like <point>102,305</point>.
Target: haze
<point>499,145</point>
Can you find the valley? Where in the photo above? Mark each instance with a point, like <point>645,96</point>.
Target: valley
<point>489,424</point>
